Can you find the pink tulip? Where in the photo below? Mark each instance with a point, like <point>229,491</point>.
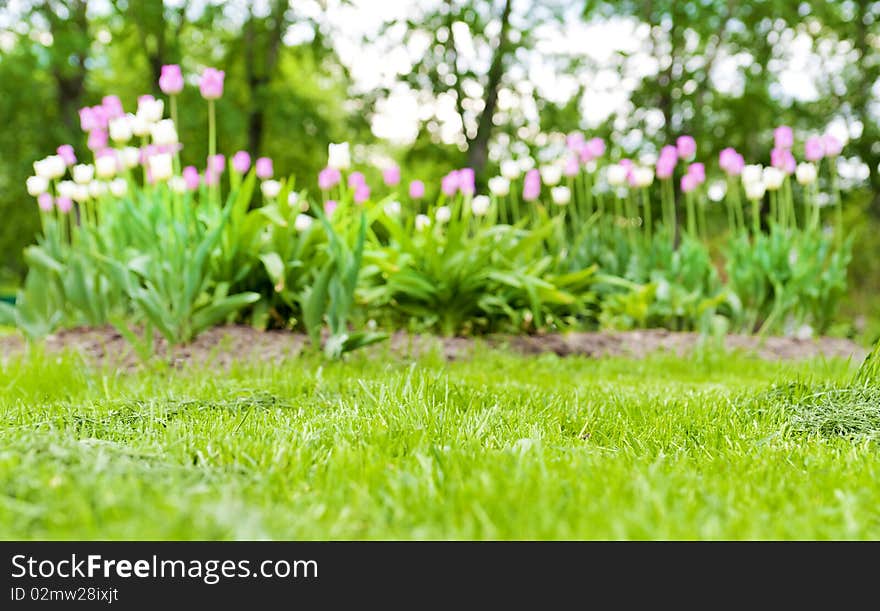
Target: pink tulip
<point>466,181</point>
<point>572,166</point>
<point>87,120</point>
<point>689,183</point>
<point>264,168</point>
<point>65,151</point>
<point>44,201</point>
<point>417,189</point>
<point>361,193</point>
<point>627,163</point>
<point>191,177</point>
<point>100,115</point>
<point>698,171</point>
<point>575,141</point>
<point>666,164</point>
<point>686,147</point>
<point>595,147</point>
<point>112,106</point>
<point>449,183</point>
<point>97,139</point>
<point>217,164</point>
<point>356,179</point>
<point>783,137</point>
<point>731,162</point>
<point>328,178</point>
<point>814,148</point>
<point>391,176</point>
<point>171,80</point>
<point>783,159</point>
<point>211,83</point>
<point>330,207</point>
<point>65,204</point>
<point>532,185</point>
<point>833,146</point>
<point>211,177</point>
<point>241,162</point>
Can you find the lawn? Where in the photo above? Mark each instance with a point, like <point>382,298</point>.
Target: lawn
<point>494,446</point>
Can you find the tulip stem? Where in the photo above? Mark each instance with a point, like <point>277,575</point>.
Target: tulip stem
<point>212,146</point>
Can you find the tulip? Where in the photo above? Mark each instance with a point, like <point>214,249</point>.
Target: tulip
<point>302,222</point>
<point>783,137</point>
<point>551,175</point>
<point>64,204</point>
<point>112,107</point>
<point>140,127</point>
<point>443,214</point>
<point>44,201</point>
<point>36,185</point>
<point>216,164</point>
<point>525,164</point>
<point>106,166</point>
<point>574,141</point>
<point>101,117</point>
<point>480,205</point>
<point>97,188</point>
<point>171,79</point>
<point>755,190</point>
<point>211,83</point>
<point>731,162</point>
<point>666,162</point>
<point>241,162</point>
<point>532,185</point>
<point>814,148</point>
<point>641,177</point>
<point>164,133</point>
<point>211,177</point>
<point>806,173</point>
<point>417,189</point>
<point>160,166</point>
<point>783,159</point>
<point>328,178</point>
<point>752,173</point>
<point>698,170</point>
<point>466,181</point>
<point>149,110</point>
<point>616,174</point>
<point>65,151</point>
<point>131,156</point>
<point>270,188</point>
<point>391,176</point>
<point>97,139</point>
<point>118,187</point>
<point>83,173</point>
<point>87,119</point>
<point>595,147</point>
<point>120,130</point>
<point>689,183</point>
<point>391,208</point>
<point>191,177</point>
<point>177,184</point>
<point>339,156</point>
<point>50,167</point>
<point>361,193</point>
<point>330,207</point>
<point>510,169</point>
<point>833,146</point>
<point>449,184</point>
<point>80,193</point>
<point>499,186</point>
<point>355,179</point>
<point>572,166</point>
<point>561,196</point>
<point>264,168</point>
<point>66,188</point>
<point>773,178</point>
<point>686,147</point>
<point>422,222</point>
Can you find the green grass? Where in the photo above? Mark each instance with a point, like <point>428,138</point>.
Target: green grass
<point>496,446</point>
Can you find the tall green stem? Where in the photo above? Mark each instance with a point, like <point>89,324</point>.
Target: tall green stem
<point>212,148</point>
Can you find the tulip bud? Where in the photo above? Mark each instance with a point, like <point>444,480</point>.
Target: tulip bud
<point>417,189</point>
<point>339,156</point>
<point>499,186</point>
<point>106,166</point>
<point>561,196</point>
<point>551,175</point>
<point>211,83</point>
<point>171,80</point>
<point>270,188</point>
<point>83,173</point>
<point>131,157</point>
<point>160,166</point>
<point>264,168</point>
<point>422,222</point>
<point>806,173</point>
<point>302,222</point>
<point>44,201</point>
<point>241,163</point>
<point>510,169</point>
<point>480,205</point>
<point>164,133</point>
<point>443,214</point>
<point>97,188</point>
<point>118,187</point>
<point>773,178</point>
<point>120,130</point>
<point>392,208</point>
<point>37,185</point>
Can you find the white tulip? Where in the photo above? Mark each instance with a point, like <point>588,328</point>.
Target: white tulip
<point>525,164</point>
<point>80,193</point>
<point>773,178</point>
<point>752,173</point>
<point>50,168</point>
<point>150,110</point>
<point>510,169</point>
<point>118,187</point>
<point>443,214</point>
<point>83,173</point>
<point>806,173</point>
<point>120,130</point>
<point>480,205</point>
<point>643,177</point>
<point>755,190</point>
<point>97,188</point>
<point>422,222</point>
<point>66,188</point>
<point>177,184</point>
<point>131,157</point>
<point>164,132</point>
<point>160,166</point>
<point>140,127</point>
<point>293,199</point>
<point>551,175</point>
<point>339,156</point>
<point>105,166</point>
<point>37,185</point>
<point>270,188</point>
<point>561,195</point>
<point>302,222</point>
<point>499,186</point>
<point>616,175</point>
<point>392,208</point>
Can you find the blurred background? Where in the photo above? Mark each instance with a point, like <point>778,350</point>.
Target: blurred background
<point>436,84</point>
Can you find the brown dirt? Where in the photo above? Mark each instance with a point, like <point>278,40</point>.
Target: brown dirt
<point>222,346</point>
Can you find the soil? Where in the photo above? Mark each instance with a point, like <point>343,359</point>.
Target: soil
<point>222,346</point>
